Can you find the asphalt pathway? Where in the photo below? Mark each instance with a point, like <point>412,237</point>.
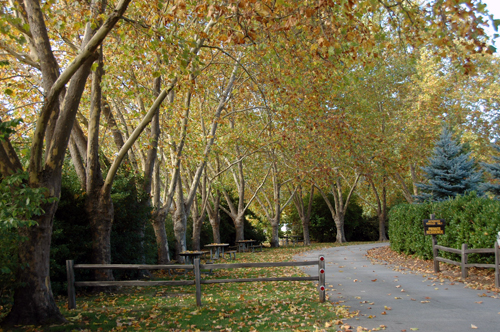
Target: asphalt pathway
<point>399,299</point>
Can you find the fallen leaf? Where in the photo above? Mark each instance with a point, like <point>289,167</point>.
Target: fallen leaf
<point>374,280</point>
<point>384,313</point>
<point>414,329</point>
<point>472,326</point>
<point>479,302</point>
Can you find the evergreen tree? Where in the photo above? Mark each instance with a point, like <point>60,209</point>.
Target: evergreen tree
<point>494,170</point>
<point>450,171</point>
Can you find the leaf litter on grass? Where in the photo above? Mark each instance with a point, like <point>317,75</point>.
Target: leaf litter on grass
<point>256,306</point>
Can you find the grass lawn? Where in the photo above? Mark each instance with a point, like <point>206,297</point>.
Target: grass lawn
<point>254,306</point>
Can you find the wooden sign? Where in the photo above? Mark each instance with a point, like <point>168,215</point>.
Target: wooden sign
<point>434,226</point>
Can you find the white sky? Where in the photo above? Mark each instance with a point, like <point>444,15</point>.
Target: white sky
<point>493,7</point>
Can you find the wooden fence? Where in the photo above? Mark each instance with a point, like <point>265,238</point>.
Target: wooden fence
<point>198,281</point>
<point>464,252</point>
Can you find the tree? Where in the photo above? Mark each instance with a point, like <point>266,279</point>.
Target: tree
<point>339,207</point>
<point>494,170</point>
<point>33,301</point>
<point>450,171</point>
<point>304,212</point>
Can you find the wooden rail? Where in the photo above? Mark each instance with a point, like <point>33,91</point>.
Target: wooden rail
<point>198,281</point>
<point>464,253</point>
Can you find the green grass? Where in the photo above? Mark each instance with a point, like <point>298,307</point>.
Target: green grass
<point>255,306</point>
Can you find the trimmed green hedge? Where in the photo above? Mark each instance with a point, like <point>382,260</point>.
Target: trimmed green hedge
<point>469,219</point>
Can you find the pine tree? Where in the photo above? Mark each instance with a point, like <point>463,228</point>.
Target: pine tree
<point>450,171</point>
<point>494,170</point>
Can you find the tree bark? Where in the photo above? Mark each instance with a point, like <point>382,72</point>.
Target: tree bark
<point>161,236</point>
<point>381,208</point>
<point>180,226</point>
<point>214,217</point>
<point>339,223</point>
<point>239,225</point>
<point>101,212</point>
<point>33,300</point>
<point>307,218</point>
<point>275,227</point>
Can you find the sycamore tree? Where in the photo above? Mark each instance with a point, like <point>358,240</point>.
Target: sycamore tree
<point>32,37</point>
<point>493,170</point>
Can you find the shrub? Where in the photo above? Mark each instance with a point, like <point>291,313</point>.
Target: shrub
<point>469,219</point>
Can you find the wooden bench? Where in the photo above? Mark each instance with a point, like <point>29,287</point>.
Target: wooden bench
<point>256,246</point>
<point>230,252</point>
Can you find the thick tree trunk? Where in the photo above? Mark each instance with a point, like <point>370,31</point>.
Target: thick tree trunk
<point>215,223</point>
<point>239,223</point>
<point>161,237</point>
<point>33,300</point>
<point>180,226</point>
<point>339,223</point>
<point>101,212</point>
<point>197,223</point>
<point>275,239</point>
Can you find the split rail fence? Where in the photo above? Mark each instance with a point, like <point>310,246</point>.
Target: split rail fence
<point>198,281</point>
<point>464,252</point>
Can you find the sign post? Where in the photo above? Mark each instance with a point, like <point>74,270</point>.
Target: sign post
<point>434,227</point>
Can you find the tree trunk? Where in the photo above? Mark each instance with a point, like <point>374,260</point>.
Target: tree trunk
<point>339,223</point>
<point>275,239</point>
<point>382,216</point>
<point>101,212</point>
<point>180,226</point>
<point>161,237</point>
<point>214,218</point>
<point>305,231</point>
<point>33,300</point>
<point>197,223</point>
<point>381,227</point>
<point>239,223</point>
<point>215,223</point>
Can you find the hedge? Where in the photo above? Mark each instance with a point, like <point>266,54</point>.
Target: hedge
<point>469,219</point>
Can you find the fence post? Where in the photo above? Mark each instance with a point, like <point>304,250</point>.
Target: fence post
<point>197,280</point>
<point>321,278</point>
<point>71,284</point>
<point>497,264</point>
<point>465,259</point>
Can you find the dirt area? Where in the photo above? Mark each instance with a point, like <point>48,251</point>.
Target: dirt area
<point>479,278</point>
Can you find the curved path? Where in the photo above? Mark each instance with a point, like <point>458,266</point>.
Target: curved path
<point>402,300</point>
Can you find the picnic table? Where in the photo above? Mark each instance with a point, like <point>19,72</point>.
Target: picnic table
<point>190,255</point>
<point>219,248</point>
<point>242,244</point>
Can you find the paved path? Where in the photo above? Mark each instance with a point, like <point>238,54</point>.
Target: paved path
<point>400,299</point>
